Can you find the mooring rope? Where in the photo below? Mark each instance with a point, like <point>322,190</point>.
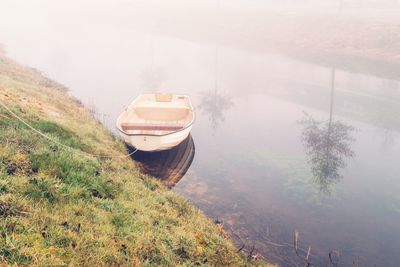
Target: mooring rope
<point>57,142</point>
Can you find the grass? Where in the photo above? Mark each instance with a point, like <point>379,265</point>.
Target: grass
<point>59,207</point>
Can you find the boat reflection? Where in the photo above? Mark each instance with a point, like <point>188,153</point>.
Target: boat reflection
<point>168,165</point>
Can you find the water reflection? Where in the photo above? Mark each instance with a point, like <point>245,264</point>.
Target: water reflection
<point>168,165</point>
<point>214,105</point>
<point>327,144</point>
<point>153,77</point>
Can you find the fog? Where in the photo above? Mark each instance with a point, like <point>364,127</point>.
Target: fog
<point>311,30</point>
<point>253,69</point>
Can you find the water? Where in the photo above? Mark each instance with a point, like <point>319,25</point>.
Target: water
<point>278,144</point>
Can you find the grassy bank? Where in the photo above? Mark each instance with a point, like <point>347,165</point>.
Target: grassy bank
<point>59,207</point>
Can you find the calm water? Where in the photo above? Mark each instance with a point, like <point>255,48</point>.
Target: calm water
<point>278,145</point>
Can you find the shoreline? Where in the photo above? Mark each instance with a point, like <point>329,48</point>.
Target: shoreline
<point>59,207</point>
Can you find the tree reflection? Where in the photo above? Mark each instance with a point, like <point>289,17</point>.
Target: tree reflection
<point>327,144</point>
<point>214,105</point>
<point>153,77</point>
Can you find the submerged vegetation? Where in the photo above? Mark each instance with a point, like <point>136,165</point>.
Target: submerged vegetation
<point>64,207</point>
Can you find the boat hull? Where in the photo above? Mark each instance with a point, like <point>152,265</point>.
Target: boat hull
<point>156,142</point>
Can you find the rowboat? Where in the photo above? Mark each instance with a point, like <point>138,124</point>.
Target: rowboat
<point>155,122</point>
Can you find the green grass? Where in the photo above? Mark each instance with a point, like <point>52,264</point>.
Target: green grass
<point>59,207</point>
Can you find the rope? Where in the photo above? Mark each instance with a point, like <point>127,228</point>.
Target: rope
<point>58,143</point>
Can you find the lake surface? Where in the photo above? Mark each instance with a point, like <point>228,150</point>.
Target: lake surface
<point>278,145</point>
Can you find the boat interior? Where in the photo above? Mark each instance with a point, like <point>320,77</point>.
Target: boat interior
<point>157,114</point>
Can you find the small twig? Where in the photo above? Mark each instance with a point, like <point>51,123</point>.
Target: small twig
<point>250,256</point>
<point>243,245</point>
<point>295,242</point>
<point>308,252</point>
<point>241,248</point>
<point>307,263</point>
<point>331,257</point>
<point>276,244</point>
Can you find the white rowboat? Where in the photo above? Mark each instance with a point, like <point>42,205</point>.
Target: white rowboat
<point>155,122</point>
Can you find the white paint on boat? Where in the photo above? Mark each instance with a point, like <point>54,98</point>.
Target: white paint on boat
<point>154,122</point>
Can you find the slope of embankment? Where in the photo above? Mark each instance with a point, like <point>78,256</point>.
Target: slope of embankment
<point>63,206</point>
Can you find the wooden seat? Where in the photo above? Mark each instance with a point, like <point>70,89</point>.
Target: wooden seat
<point>149,127</point>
